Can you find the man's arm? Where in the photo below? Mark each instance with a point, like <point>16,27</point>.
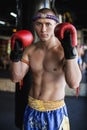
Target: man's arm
<point>66,33</point>
<point>72,73</point>
<point>19,66</point>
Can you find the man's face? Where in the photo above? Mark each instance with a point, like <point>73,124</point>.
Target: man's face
<point>44,28</point>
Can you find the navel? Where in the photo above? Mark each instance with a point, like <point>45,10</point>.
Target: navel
<point>55,69</point>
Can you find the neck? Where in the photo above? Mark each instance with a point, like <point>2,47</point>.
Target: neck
<point>50,43</point>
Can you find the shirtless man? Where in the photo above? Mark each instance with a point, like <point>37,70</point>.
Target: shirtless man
<point>52,68</point>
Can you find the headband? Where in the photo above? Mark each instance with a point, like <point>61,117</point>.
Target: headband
<point>44,16</point>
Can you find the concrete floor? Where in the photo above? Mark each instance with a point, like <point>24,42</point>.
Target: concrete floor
<point>77,110</point>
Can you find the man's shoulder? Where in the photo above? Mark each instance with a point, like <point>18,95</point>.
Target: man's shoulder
<point>33,46</point>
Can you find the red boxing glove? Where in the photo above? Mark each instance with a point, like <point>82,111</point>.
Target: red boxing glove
<point>67,34</point>
<point>61,28</point>
<point>19,41</point>
<point>24,36</point>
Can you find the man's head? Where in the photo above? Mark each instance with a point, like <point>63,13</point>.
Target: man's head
<point>45,21</point>
<point>46,13</point>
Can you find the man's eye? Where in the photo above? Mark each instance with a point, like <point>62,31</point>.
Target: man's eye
<point>48,24</point>
<point>38,24</point>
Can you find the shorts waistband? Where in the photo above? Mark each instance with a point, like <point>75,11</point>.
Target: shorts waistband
<point>41,105</point>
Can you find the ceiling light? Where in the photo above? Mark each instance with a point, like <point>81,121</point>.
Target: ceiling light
<point>2,22</point>
<point>13,14</point>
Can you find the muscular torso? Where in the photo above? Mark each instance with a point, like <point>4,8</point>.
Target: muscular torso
<point>47,71</point>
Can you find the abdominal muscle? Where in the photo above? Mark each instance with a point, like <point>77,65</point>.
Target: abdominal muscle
<point>48,87</point>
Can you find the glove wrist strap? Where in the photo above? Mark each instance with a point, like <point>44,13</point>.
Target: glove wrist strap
<point>70,53</point>
<point>16,56</point>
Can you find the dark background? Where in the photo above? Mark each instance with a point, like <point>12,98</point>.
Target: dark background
<point>75,8</point>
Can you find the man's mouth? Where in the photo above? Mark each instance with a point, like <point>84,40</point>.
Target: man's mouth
<point>44,35</point>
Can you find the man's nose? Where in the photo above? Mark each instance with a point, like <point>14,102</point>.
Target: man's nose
<point>43,28</point>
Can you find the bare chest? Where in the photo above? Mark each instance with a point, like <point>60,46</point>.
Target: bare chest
<point>45,61</point>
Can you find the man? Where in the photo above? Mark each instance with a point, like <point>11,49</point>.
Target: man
<point>53,66</point>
